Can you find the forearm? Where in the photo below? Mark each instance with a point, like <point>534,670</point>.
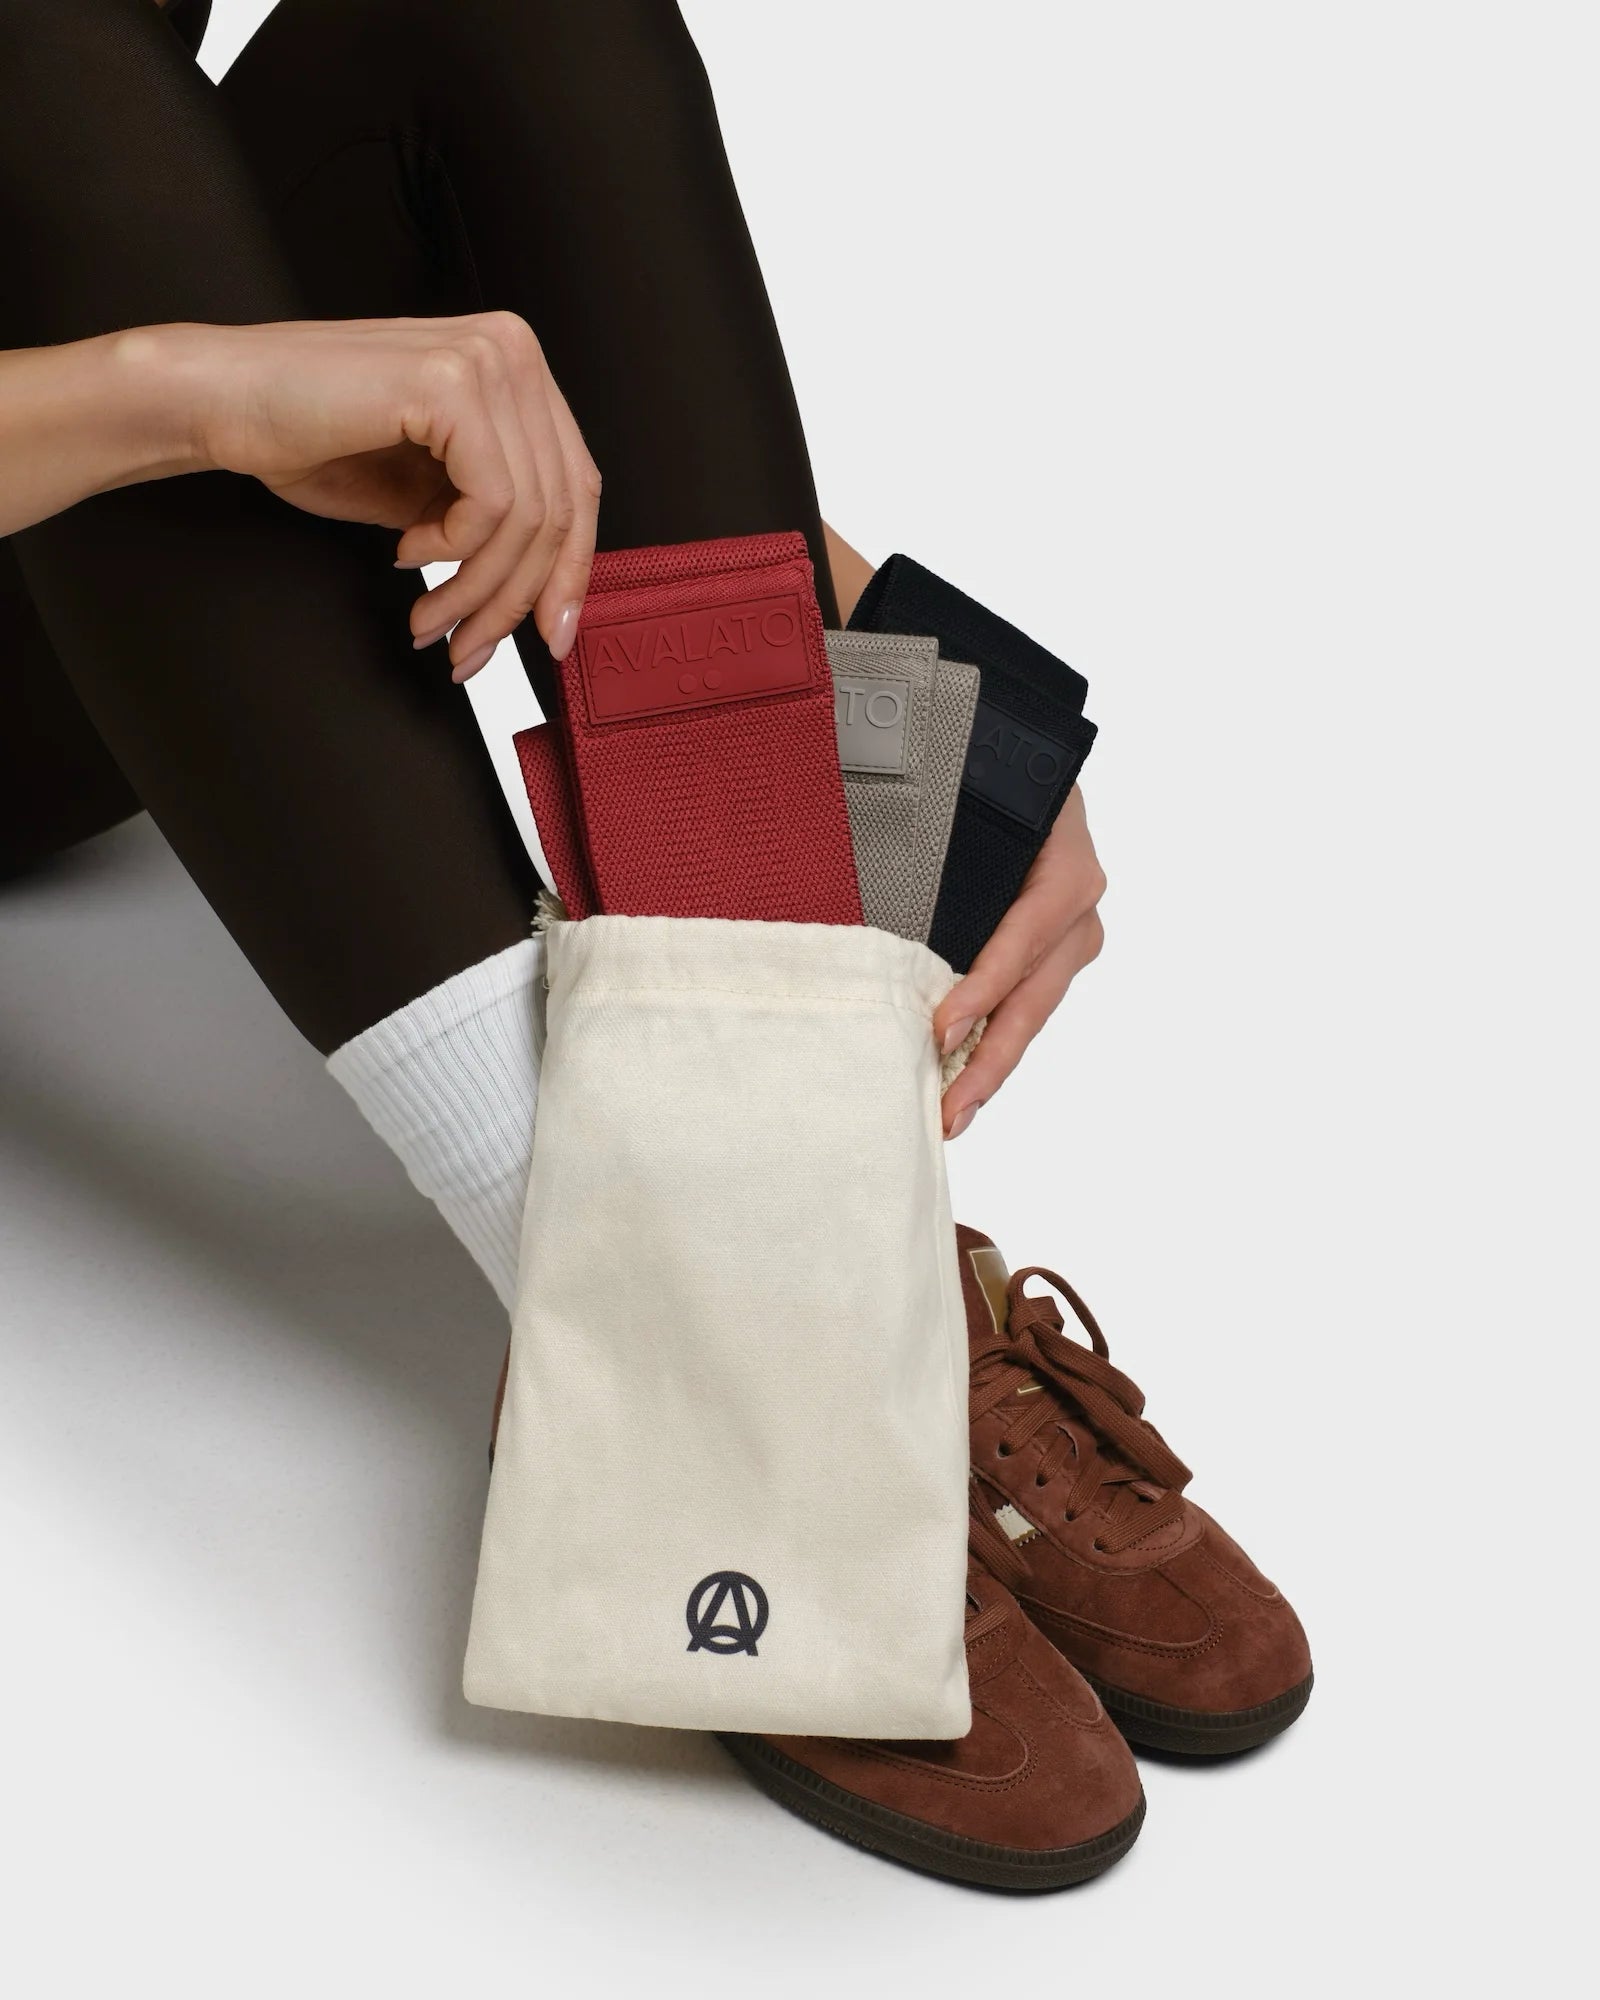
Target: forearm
<point>88,416</point>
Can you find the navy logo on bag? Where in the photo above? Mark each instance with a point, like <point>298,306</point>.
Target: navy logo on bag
<point>746,1604</point>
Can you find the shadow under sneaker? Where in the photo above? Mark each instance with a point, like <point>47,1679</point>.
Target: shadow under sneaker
<point>1188,1644</point>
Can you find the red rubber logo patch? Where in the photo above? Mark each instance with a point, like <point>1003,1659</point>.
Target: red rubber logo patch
<point>694,659</point>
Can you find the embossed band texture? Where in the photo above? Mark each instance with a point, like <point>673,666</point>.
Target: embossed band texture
<point>1029,740</point>
<point>904,716</point>
<point>700,736</point>
<point>543,758</point>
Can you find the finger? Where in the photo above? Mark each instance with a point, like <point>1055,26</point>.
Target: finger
<point>479,601</point>
<point>389,488</point>
<point>1017,1019</point>
<point>1064,883</point>
<point>561,601</point>
<point>423,541</point>
<point>519,592</point>
<point>453,424</point>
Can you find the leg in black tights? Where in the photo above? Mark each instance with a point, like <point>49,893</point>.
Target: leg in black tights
<point>58,782</point>
<point>248,667</point>
<point>565,161</point>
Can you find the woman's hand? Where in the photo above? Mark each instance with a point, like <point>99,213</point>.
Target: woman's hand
<point>1050,933</point>
<point>452,430</point>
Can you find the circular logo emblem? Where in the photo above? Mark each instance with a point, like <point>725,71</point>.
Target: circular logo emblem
<point>727,1613</point>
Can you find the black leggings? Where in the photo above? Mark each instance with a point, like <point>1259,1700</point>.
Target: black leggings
<point>243,670</point>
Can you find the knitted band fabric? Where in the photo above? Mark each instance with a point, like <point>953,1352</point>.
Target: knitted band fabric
<point>904,716</point>
<point>1029,740</point>
<point>548,782</point>
<point>699,713</point>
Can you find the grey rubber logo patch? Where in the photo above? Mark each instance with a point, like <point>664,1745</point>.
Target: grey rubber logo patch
<point>1014,767</point>
<point>871,715</point>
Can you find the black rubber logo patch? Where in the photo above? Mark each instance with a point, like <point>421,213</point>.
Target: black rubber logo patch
<point>1012,766</point>
<point>727,1613</point>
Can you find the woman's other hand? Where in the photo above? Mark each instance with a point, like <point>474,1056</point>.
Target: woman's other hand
<point>451,430</point>
<point>1050,933</point>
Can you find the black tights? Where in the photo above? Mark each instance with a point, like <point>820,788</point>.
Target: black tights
<point>245,671</point>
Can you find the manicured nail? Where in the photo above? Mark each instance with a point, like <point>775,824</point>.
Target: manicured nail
<point>408,565</point>
<point>463,670</point>
<point>564,631</point>
<point>964,1118</point>
<point>955,1035</point>
<point>428,639</point>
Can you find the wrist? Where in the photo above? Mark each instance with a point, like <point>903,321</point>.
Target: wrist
<point>162,382</point>
<point>850,570</point>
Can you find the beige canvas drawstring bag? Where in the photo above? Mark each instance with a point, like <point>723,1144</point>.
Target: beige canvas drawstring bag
<point>730,1487</point>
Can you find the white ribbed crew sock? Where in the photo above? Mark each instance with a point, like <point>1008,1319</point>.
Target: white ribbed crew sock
<point>450,1082</point>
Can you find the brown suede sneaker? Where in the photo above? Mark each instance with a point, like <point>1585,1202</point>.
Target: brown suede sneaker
<point>1188,1644</point>
<point>1041,1793</point>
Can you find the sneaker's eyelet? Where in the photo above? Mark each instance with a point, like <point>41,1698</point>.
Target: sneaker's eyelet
<point>1098,1546</point>
<point>1002,1451</point>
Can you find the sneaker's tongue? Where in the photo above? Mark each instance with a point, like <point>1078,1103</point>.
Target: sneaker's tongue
<point>984,1278</point>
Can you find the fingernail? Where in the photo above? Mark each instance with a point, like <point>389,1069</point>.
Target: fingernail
<point>408,565</point>
<point>964,1118</point>
<point>564,631</point>
<point>427,639</point>
<point>463,670</point>
<point>955,1035</point>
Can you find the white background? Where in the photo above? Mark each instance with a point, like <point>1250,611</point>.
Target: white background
<point>1245,354</point>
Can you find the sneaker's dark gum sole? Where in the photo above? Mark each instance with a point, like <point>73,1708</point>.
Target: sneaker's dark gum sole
<point>919,1845</point>
<point>1192,1732</point>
